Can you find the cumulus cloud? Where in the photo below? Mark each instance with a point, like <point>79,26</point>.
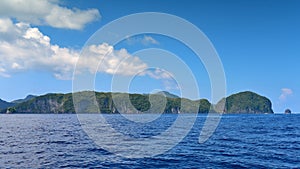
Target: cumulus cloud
<point>104,58</point>
<point>23,47</point>
<point>285,92</point>
<point>47,12</point>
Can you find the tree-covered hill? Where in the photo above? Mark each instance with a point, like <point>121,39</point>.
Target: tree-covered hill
<point>247,102</point>
<point>137,103</point>
<point>4,104</point>
<point>23,100</point>
<point>244,102</point>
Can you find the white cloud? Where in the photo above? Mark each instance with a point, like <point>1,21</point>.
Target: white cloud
<point>285,92</point>
<point>145,40</point>
<point>159,74</point>
<point>47,12</point>
<point>149,40</point>
<point>23,47</point>
<point>110,61</point>
<point>6,24</point>
<point>168,79</point>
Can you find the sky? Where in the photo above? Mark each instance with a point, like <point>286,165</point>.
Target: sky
<point>257,42</point>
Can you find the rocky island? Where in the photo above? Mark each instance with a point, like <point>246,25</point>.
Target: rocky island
<point>244,102</point>
<point>287,111</point>
<point>248,102</point>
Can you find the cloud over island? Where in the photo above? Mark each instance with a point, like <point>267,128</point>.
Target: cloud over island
<point>23,47</point>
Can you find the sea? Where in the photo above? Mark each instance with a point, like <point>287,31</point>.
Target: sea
<point>239,141</point>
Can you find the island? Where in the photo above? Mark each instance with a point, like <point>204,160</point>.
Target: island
<point>248,102</point>
<point>57,103</point>
<point>287,111</point>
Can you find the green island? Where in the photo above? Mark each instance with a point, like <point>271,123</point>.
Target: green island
<point>55,103</point>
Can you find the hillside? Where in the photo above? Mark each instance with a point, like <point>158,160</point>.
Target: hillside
<point>4,104</point>
<point>23,100</point>
<point>248,102</point>
<point>63,103</point>
<point>167,94</point>
<point>244,102</point>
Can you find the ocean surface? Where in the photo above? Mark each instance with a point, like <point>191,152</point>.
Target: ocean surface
<point>240,141</point>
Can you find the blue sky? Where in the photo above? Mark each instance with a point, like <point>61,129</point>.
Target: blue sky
<point>257,42</point>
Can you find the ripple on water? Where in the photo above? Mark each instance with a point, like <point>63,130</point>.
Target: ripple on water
<point>240,141</point>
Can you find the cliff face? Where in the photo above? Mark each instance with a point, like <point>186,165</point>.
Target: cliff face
<point>50,103</point>
<point>137,103</point>
<point>248,102</point>
<point>244,102</point>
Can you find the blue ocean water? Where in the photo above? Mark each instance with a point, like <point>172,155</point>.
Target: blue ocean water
<point>240,141</point>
